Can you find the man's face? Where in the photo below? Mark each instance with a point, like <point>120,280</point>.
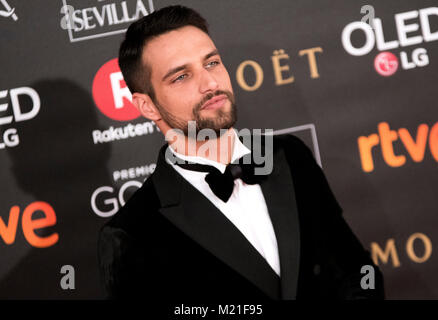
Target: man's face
<point>186,73</point>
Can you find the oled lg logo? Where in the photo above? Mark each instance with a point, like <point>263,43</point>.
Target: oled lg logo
<point>10,137</point>
<point>8,12</point>
<point>85,20</point>
<point>407,23</point>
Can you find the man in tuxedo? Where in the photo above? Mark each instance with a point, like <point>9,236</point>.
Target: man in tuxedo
<point>204,226</point>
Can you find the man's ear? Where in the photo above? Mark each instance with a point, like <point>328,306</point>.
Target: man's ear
<point>145,106</point>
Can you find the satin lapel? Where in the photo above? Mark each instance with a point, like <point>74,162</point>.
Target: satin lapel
<point>202,221</point>
<point>279,195</point>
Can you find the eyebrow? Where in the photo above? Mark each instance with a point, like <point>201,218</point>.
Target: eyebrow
<point>184,66</point>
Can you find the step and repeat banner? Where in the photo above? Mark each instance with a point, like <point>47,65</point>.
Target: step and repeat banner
<point>357,81</point>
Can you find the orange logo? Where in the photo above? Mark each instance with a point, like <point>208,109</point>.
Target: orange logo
<point>29,225</point>
<point>415,146</point>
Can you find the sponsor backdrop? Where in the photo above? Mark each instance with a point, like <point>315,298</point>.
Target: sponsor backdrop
<point>356,80</point>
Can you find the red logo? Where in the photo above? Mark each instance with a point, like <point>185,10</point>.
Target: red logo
<point>386,64</point>
<point>111,95</point>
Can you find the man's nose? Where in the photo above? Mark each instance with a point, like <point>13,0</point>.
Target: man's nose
<point>207,82</point>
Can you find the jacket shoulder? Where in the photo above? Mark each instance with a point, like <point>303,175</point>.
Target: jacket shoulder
<point>137,208</point>
<point>295,149</point>
<point>289,140</point>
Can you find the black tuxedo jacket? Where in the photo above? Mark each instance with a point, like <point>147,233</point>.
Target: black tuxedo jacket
<point>171,243</point>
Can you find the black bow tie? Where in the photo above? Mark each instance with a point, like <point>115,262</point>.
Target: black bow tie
<point>222,184</point>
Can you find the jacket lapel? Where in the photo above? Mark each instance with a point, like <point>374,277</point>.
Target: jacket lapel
<point>279,194</point>
<point>200,219</point>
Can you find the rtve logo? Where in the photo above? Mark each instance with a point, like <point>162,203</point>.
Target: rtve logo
<point>111,95</point>
<point>29,224</point>
<point>415,147</point>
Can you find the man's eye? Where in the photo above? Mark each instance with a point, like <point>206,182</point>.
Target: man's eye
<point>179,78</point>
<point>213,63</point>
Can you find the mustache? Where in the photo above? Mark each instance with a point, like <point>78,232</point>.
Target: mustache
<point>211,95</point>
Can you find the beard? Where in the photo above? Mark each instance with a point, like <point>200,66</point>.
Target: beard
<point>221,120</point>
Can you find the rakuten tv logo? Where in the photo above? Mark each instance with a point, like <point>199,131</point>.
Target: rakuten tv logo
<point>111,95</point>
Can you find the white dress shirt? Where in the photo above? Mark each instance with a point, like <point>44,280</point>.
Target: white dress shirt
<point>246,208</point>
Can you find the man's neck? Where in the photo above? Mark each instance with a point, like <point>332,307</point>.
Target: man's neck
<point>219,150</point>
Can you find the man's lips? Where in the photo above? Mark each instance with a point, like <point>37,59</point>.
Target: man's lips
<point>215,101</point>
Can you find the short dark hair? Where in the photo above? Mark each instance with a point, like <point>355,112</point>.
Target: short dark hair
<point>136,74</point>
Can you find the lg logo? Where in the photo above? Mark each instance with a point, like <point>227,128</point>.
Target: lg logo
<point>386,63</point>
<point>10,135</point>
<point>412,27</point>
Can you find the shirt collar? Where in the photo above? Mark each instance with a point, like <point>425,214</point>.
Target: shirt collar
<point>239,151</point>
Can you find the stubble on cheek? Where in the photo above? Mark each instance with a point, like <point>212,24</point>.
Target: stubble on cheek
<point>221,119</point>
